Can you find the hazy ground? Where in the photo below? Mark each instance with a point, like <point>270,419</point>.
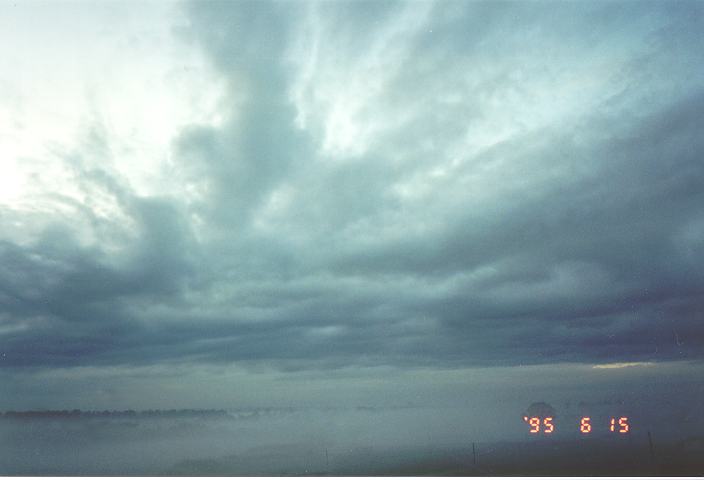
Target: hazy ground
<point>400,441</point>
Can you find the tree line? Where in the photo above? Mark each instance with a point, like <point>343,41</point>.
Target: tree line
<point>75,413</point>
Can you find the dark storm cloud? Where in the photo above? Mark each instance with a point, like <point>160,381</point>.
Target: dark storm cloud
<point>509,184</point>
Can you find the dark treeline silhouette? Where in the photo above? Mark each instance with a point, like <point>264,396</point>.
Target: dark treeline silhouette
<point>32,414</point>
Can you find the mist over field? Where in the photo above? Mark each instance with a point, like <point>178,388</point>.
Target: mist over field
<point>295,237</point>
<point>476,433</point>
<point>359,441</point>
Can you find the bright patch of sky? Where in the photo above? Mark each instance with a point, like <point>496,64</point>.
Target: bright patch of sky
<point>104,85</point>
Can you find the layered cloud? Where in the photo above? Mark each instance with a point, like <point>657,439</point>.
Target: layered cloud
<point>394,184</point>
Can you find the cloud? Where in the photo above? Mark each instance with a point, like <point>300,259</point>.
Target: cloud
<point>405,184</point>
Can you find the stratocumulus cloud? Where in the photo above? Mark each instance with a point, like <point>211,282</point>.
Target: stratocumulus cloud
<point>396,184</point>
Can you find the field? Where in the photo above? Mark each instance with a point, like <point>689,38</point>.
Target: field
<point>315,442</point>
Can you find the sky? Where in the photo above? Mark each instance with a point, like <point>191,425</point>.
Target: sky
<point>213,204</point>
